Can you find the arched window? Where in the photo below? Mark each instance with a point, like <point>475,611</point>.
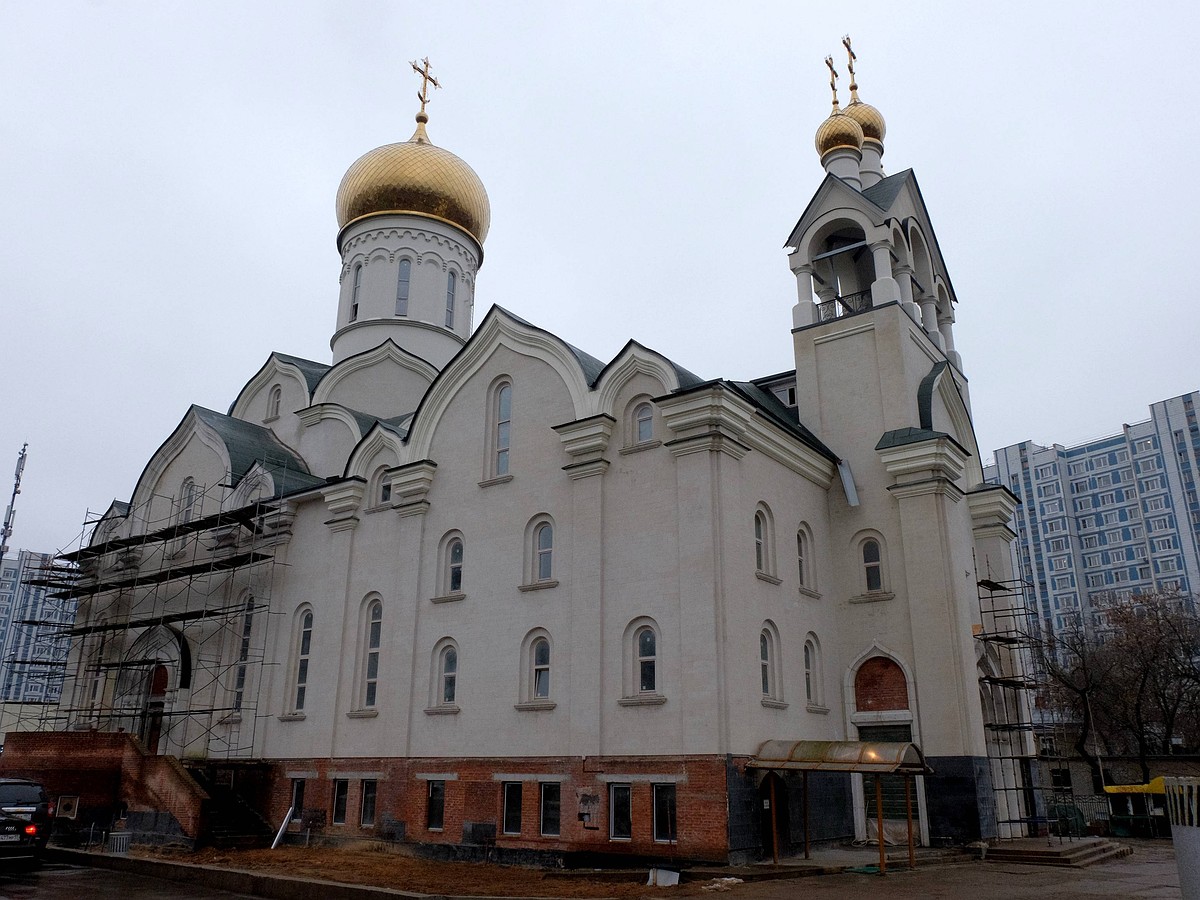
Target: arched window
<point>769,668</point>
<point>402,282</point>
<point>372,639</point>
<point>451,285</point>
<point>643,422</point>
<point>764,657</point>
<point>187,500</point>
<point>355,292</point>
<point>447,675</point>
<point>872,564</point>
<point>303,652</point>
<point>274,398</point>
<point>764,544</point>
<point>812,671</point>
<point>540,669</point>
<point>760,542</point>
<point>239,681</point>
<point>381,487</point>
<point>646,653</point>
<point>454,566</point>
<point>802,561</point>
<point>543,545</point>
<point>643,680</point>
<point>502,429</point>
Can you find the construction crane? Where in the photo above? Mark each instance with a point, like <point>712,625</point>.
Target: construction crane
<point>7,530</point>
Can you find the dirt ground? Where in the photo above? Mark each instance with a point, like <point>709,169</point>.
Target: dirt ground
<point>385,867</point>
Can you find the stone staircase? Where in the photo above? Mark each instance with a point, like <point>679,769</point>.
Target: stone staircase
<point>1073,854</point>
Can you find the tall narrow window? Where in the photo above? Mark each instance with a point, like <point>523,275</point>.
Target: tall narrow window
<point>402,282</point>
<point>341,789</point>
<point>760,542</point>
<point>503,435</point>
<point>187,500</point>
<point>454,566</point>
<point>551,805</point>
<point>643,418</point>
<point>813,694</point>
<point>541,669</point>
<point>872,565</point>
<point>764,656</point>
<point>356,291</point>
<point>512,807</point>
<point>297,799</point>
<point>809,653</point>
<point>303,649</point>
<point>435,807</point>
<point>370,787</point>
<point>273,400</point>
<point>544,547</point>
<point>802,557</point>
<point>620,813</point>
<point>646,644</point>
<point>448,675</point>
<point>664,813</point>
<point>451,285</point>
<point>239,683</point>
<point>371,668</point>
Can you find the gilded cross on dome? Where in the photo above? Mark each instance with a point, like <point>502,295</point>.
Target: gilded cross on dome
<point>850,66</point>
<point>833,76</point>
<point>426,81</point>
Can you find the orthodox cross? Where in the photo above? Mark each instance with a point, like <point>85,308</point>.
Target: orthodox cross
<point>833,75</point>
<point>426,81</point>
<point>850,67</point>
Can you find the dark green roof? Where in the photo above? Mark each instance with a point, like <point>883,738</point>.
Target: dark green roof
<point>786,417</point>
<point>248,444</point>
<point>313,372</point>
<point>883,193</point>
<point>902,436</point>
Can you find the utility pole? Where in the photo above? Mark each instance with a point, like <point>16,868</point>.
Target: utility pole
<point>7,530</point>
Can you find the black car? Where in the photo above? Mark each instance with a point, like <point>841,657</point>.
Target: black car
<point>25,820</point>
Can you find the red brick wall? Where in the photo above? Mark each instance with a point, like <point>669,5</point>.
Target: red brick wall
<point>104,769</point>
<point>473,794</point>
<point>880,684</point>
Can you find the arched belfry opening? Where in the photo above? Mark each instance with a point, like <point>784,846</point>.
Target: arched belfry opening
<point>843,271</point>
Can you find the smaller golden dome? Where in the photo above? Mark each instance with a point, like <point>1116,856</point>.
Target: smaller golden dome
<point>838,132</point>
<point>415,177</point>
<point>869,118</point>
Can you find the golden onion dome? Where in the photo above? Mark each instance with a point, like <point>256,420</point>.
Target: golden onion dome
<point>837,132</point>
<point>869,119</point>
<point>415,177</point>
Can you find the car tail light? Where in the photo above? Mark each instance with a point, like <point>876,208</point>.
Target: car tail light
<point>31,829</point>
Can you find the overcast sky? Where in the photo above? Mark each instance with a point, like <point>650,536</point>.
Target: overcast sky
<point>169,171</point>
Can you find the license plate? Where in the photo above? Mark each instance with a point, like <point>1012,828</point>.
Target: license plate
<point>10,837</point>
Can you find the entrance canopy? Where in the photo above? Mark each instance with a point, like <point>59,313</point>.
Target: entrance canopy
<point>1156,786</point>
<point>840,756</point>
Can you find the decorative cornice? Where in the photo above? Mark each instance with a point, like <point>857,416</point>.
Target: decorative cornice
<point>937,457</point>
<point>936,486</point>
<point>586,440</point>
<point>410,484</point>
<point>992,505</point>
<point>343,500</point>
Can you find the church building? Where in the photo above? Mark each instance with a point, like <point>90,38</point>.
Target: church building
<point>464,584</point>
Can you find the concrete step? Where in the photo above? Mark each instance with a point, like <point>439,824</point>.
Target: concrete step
<point>1075,855</point>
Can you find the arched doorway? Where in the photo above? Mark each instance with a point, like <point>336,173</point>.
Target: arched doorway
<point>152,709</point>
<point>774,821</point>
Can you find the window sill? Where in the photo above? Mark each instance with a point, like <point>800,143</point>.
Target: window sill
<point>638,448</point>
<point>809,592</point>
<point>772,703</point>
<point>873,597</point>
<point>274,418</point>
<point>769,579</point>
<point>538,585</point>
<point>448,598</point>
<point>447,710</point>
<point>643,700</point>
<point>527,705</point>
<point>818,709</point>
<point>362,714</point>
<point>499,479</point>
<point>291,717</point>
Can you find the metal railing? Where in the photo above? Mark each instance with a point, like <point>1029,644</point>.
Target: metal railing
<point>846,305</point>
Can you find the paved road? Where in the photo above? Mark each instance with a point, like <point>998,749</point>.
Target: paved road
<point>59,882</point>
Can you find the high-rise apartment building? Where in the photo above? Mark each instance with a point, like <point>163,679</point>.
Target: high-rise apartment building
<point>33,645</point>
<point>1108,518</point>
